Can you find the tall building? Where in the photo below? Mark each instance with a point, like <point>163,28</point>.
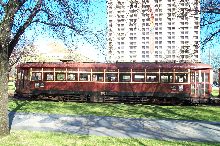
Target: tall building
<point>153,30</point>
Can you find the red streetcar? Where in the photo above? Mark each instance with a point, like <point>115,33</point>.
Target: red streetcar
<point>121,82</point>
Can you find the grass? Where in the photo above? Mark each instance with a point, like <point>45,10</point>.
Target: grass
<point>27,138</point>
<point>20,137</point>
<point>215,91</point>
<point>35,138</point>
<point>206,113</point>
<point>11,87</point>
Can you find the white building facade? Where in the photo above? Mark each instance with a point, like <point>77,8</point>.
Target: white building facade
<point>153,30</point>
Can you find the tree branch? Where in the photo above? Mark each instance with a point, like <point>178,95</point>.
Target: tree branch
<point>210,37</point>
<point>212,9</point>
<point>22,28</point>
<point>2,3</point>
<point>209,23</point>
<point>59,25</point>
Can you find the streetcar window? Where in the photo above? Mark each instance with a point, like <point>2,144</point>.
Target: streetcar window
<point>98,77</point>
<point>181,78</point>
<point>36,76</point>
<point>19,75</point>
<point>166,78</point>
<point>151,77</point>
<point>98,69</point>
<point>84,69</point>
<point>37,69</point>
<point>192,74</point>
<point>111,77</point>
<point>206,77</point>
<point>207,88</point>
<point>60,76</point>
<point>193,88</point>
<point>198,79</point>
<point>48,76</point>
<point>26,75</point>
<point>72,69</point>
<point>48,69</point>
<point>202,77</point>
<point>111,70</point>
<point>124,77</point>
<point>60,69</point>
<point>72,76</point>
<point>84,76</point>
<point>138,78</point>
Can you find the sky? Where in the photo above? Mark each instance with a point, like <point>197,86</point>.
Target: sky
<point>97,22</point>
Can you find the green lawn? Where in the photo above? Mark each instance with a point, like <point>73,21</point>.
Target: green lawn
<point>27,138</point>
<point>33,138</point>
<point>11,88</point>
<point>215,91</point>
<point>207,113</point>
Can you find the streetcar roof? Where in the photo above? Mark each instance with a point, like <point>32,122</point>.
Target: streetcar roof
<point>121,65</point>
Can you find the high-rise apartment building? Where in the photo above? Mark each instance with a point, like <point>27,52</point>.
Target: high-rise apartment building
<point>153,30</point>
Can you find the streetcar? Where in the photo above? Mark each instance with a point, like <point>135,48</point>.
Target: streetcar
<point>115,82</point>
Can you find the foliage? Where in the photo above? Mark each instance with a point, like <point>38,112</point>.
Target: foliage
<point>18,138</point>
<point>65,18</point>
<point>207,113</point>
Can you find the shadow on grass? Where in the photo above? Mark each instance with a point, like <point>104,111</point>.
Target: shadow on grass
<point>105,111</point>
<point>12,113</point>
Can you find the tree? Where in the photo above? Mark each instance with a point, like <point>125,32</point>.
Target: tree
<point>66,18</point>
<point>210,22</point>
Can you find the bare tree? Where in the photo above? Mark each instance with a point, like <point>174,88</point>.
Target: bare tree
<point>212,58</point>
<point>66,18</point>
<point>210,21</point>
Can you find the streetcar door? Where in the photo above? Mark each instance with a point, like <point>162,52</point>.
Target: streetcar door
<point>196,87</point>
<point>199,83</point>
<point>22,79</point>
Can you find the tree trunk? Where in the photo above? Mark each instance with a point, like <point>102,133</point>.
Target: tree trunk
<point>4,127</point>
